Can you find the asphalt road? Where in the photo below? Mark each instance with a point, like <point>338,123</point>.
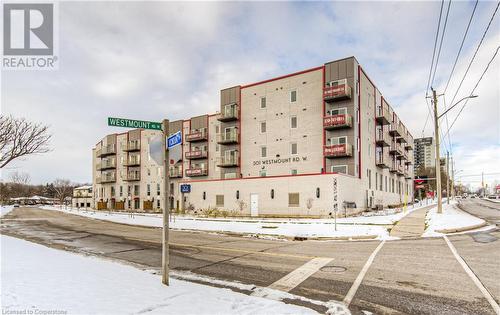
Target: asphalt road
<point>419,276</point>
<point>484,209</point>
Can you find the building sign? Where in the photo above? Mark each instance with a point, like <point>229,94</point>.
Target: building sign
<point>185,188</point>
<point>334,91</point>
<point>334,120</point>
<point>335,150</point>
<point>294,159</point>
<point>195,136</point>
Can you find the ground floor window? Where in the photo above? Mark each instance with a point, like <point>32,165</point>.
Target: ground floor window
<point>339,169</point>
<point>219,200</point>
<point>137,204</point>
<point>293,199</point>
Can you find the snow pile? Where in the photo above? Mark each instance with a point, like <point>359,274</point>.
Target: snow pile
<point>283,228</point>
<point>5,209</point>
<point>452,219</point>
<point>38,280</point>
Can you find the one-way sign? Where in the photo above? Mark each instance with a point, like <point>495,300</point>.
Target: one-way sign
<point>174,139</point>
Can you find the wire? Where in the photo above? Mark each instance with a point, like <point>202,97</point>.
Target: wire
<point>461,46</point>
<point>475,53</point>
<point>474,89</point>
<point>441,42</point>
<point>434,51</point>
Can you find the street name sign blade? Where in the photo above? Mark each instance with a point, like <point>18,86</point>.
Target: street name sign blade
<point>174,139</point>
<point>133,123</point>
<point>185,188</point>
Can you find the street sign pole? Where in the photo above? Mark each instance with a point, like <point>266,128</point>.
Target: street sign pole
<point>166,192</point>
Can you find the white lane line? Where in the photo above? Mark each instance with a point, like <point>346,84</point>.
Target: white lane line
<point>300,274</point>
<point>352,291</point>
<point>473,276</point>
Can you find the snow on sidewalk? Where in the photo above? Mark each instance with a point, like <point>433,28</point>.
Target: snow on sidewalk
<point>451,218</point>
<point>310,228</point>
<point>40,279</point>
<point>5,209</point>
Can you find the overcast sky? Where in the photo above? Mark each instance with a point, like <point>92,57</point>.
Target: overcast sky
<point>159,60</point>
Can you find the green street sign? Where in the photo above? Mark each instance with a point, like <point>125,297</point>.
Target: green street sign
<point>132,123</point>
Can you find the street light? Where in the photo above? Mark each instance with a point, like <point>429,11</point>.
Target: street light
<point>436,137</point>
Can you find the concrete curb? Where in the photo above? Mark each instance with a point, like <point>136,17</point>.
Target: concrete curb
<point>462,229</point>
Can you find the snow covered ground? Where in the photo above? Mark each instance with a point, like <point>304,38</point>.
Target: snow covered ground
<point>5,209</point>
<point>451,218</point>
<point>40,279</point>
<point>348,227</point>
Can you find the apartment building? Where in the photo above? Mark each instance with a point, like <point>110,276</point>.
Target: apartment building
<point>303,144</point>
<point>83,197</point>
<point>424,153</point>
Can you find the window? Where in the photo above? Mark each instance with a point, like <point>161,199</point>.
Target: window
<point>339,169</point>
<point>217,129</point>
<point>293,199</point>
<point>262,102</point>
<point>293,148</point>
<point>157,203</point>
<point>294,172</point>
<point>262,173</point>
<point>317,192</point>
<point>293,96</point>
<point>216,148</point>
<point>337,111</point>
<point>381,182</point>
<point>204,195</point>
<point>136,204</point>
<point>148,189</point>
<point>112,191</point>
<point>263,127</point>
<point>219,200</point>
<point>272,193</point>
<point>263,152</point>
<point>158,189</point>
<point>293,122</point>
<point>338,140</point>
<point>121,191</point>
<point>237,194</point>
<point>136,190</point>
<point>369,175</point>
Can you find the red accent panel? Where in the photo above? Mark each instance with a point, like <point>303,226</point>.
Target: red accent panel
<point>208,147</point>
<point>323,115</point>
<point>359,121</point>
<point>334,120</point>
<point>282,77</point>
<point>240,135</point>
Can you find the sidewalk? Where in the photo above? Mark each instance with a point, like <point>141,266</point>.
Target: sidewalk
<point>412,225</point>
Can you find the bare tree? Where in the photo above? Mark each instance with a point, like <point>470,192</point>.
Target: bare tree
<point>19,184</point>
<point>63,189</point>
<point>20,178</point>
<point>19,137</point>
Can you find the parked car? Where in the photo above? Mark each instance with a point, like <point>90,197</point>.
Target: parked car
<point>16,205</point>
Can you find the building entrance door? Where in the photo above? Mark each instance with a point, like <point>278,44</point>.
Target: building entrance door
<point>254,205</point>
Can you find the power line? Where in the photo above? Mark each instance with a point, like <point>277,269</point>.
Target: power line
<point>461,46</point>
<point>474,89</point>
<point>435,45</point>
<point>441,42</point>
<point>475,53</point>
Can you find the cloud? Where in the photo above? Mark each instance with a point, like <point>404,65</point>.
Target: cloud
<point>169,59</point>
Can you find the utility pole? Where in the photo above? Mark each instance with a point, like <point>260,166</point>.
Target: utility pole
<point>452,179</point>
<point>482,184</point>
<point>166,194</point>
<point>438,158</point>
<point>447,177</point>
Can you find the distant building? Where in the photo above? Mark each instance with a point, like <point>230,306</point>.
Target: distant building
<point>424,154</point>
<point>82,197</point>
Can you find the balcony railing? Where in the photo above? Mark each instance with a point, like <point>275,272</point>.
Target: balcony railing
<point>132,176</point>
<point>196,135</point>
<point>106,150</point>
<point>228,161</point>
<point>403,155</point>
<point>229,114</point>
<point>196,154</point>
<point>133,160</point>
<point>228,137</point>
<point>196,171</point>
<point>133,145</point>
<point>395,149</point>
<point>395,130</point>
<point>231,175</point>
<point>383,115</point>
<point>108,177</point>
<point>175,172</point>
<point>382,160</point>
<point>338,92</point>
<point>337,121</point>
<point>382,138</point>
<point>337,150</point>
<point>106,164</point>
<point>397,168</point>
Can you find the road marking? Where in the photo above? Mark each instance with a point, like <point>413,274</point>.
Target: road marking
<point>473,276</point>
<point>243,251</point>
<point>352,291</point>
<point>299,275</point>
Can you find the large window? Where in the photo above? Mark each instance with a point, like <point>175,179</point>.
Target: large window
<point>338,140</point>
<point>337,111</point>
<point>339,169</point>
<point>293,199</point>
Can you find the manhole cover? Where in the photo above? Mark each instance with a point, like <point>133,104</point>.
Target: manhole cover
<point>334,269</point>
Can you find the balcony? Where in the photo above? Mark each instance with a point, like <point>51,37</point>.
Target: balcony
<point>133,160</point>
<point>231,175</point>
<point>395,130</point>
<point>228,137</point>
<point>108,177</point>
<point>132,176</point>
<point>397,168</point>
<point>409,143</point>
<point>133,145</point>
<point>197,135</point>
<point>337,92</point>
<point>106,164</point>
<point>408,161</point>
<point>228,161</point>
<point>382,138</point>
<point>396,149</point>
<point>106,150</point>
<point>337,150</point>
<point>337,121</point>
<point>383,115</point>
<point>196,171</point>
<point>175,172</point>
<point>196,154</point>
<point>382,161</point>
<point>230,113</point>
